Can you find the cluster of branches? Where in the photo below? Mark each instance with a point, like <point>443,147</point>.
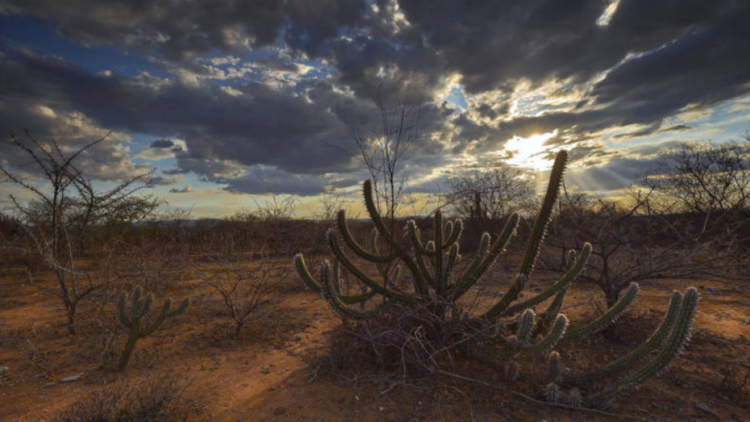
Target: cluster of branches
<point>242,291</point>
<point>58,218</point>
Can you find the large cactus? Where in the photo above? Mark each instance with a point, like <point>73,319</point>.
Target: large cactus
<point>515,327</point>
<point>139,307</point>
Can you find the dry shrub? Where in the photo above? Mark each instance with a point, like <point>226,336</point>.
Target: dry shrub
<point>142,399</point>
<point>155,269</point>
<point>735,381</point>
<point>243,290</point>
<point>408,342</point>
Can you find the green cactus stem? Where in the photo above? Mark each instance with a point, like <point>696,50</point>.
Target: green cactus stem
<point>139,308</point>
<point>679,336</point>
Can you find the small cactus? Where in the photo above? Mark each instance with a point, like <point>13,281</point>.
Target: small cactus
<point>139,307</point>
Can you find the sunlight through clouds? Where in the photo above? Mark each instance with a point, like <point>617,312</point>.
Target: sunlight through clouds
<point>529,152</point>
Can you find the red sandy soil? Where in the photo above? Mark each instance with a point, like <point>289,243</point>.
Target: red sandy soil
<point>267,374</point>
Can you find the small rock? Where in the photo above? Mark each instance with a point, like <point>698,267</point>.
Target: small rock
<point>72,378</point>
<point>4,369</point>
<point>304,302</point>
<point>705,408</point>
<point>279,411</point>
<point>297,337</point>
<point>265,370</point>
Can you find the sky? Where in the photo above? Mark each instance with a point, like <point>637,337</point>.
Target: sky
<point>232,102</point>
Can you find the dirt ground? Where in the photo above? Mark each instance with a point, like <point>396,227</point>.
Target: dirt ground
<point>270,372</point>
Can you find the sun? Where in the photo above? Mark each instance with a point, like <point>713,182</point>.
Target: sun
<point>529,152</point>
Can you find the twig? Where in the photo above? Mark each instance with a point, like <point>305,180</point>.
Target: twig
<point>535,401</point>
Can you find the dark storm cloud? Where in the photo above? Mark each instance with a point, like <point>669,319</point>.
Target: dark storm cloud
<point>162,143</point>
<point>179,29</point>
<point>662,57</point>
<point>265,126</point>
<point>491,41</point>
<point>653,130</point>
<point>256,128</point>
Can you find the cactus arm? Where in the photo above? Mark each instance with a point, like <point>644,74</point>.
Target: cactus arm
<point>555,306</point>
<point>500,244</point>
<point>159,320</point>
<point>507,299</point>
<point>374,249</point>
<point>339,306</point>
<point>439,276</point>
<point>477,268</point>
<point>679,336</point>
<point>447,233</point>
<point>349,265</point>
<point>608,317</point>
<point>455,234</point>
<point>415,238</point>
<point>355,246</point>
<point>539,230</point>
<point>304,273</point>
<point>453,258</point>
<point>626,362</point>
<point>372,210</point>
<point>180,309</point>
<point>526,324</point>
<point>423,269</point>
<point>337,285</point>
<point>121,311</point>
<point>561,284</point>
<point>553,337</point>
<point>554,367</point>
<point>354,299</point>
<point>419,283</point>
<point>394,275</point>
<point>538,233</point>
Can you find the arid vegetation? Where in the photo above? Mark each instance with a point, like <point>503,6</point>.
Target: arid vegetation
<point>421,318</point>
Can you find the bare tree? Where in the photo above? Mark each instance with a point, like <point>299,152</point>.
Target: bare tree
<point>59,218</point>
<point>242,290</point>
<point>330,204</point>
<point>490,194</point>
<point>712,180</point>
<point>384,145</point>
<point>633,242</point>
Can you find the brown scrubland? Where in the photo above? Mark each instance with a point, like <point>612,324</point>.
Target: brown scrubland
<point>226,329</point>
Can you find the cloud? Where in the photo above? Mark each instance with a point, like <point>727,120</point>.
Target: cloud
<point>261,95</point>
<point>162,143</point>
<point>186,189</point>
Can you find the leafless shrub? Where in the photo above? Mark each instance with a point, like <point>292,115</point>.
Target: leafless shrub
<point>484,199</point>
<point>408,342</point>
<point>242,290</point>
<point>150,398</point>
<point>276,209</point>
<point>154,268</point>
<point>636,241</point>
<point>59,218</point>
<point>735,381</point>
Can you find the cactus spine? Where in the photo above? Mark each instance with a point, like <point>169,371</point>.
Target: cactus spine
<point>435,284</point>
<point>139,308</point>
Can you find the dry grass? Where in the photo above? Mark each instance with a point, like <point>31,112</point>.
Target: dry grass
<point>149,399</point>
